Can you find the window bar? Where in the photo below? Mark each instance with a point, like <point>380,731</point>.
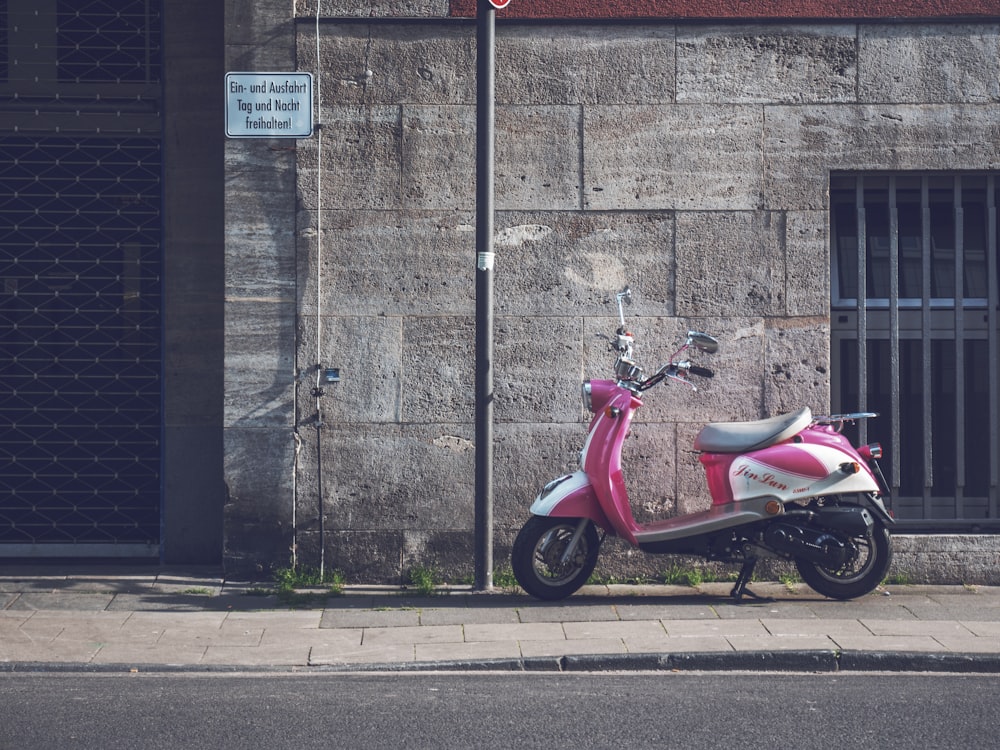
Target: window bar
<point>894,334</point>
<point>959,351</point>
<point>148,43</point>
<point>861,304</point>
<point>925,335</point>
<point>992,324</point>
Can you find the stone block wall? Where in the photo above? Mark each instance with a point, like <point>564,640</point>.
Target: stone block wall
<point>691,161</point>
<point>260,312</point>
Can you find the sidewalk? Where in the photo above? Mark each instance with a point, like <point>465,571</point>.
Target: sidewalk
<point>157,619</point>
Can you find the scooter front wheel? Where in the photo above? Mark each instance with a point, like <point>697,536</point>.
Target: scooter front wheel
<point>538,552</point>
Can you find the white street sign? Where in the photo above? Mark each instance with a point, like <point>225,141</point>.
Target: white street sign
<point>269,105</point>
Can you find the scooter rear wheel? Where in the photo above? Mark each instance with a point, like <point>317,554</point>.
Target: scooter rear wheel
<point>866,570</point>
<point>536,557</point>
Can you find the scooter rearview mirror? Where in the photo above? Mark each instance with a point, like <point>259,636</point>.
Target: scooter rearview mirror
<point>703,342</point>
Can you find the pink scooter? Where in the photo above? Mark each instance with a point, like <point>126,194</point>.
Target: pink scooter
<point>790,487</point>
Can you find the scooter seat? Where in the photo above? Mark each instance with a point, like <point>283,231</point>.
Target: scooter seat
<point>739,437</point>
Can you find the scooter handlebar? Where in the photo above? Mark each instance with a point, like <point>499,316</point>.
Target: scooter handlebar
<point>703,372</point>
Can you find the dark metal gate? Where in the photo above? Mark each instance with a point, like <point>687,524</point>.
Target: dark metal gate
<point>915,336</point>
<point>80,264</point>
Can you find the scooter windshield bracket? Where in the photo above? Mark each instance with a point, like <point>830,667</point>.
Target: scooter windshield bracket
<point>624,297</point>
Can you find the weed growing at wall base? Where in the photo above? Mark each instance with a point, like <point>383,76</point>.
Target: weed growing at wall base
<point>297,578</point>
<point>424,580</point>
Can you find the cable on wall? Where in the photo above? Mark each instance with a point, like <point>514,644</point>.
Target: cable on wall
<point>318,390</point>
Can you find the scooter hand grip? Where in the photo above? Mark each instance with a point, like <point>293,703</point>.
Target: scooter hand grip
<point>703,372</point>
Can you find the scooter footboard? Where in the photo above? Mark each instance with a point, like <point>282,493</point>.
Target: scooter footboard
<point>571,496</point>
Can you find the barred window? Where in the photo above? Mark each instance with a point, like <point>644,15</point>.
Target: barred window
<point>914,328</point>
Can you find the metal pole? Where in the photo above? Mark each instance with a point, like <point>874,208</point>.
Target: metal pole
<point>485,60</point>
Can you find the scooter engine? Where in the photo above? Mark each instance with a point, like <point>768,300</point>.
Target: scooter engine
<point>815,545</point>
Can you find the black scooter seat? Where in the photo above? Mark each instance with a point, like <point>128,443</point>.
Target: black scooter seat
<point>740,437</point>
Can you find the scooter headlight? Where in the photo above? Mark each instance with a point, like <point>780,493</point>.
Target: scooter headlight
<point>588,402</point>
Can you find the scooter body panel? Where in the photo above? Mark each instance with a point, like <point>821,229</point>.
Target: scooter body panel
<point>810,465</point>
<point>716,518</point>
<point>571,496</point>
<point>600,459</point>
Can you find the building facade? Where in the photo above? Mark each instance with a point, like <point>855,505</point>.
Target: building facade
<point>817,187</point>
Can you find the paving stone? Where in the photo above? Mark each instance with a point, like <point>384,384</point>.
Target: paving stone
<point>597,613</point>
<point>122,585</point>
<point>163,601</point>
<point>781,627</point>
<point>915,627</point>
<point>345,637</point>
<point>877,643</point>
<point>325,655</point>
<point>759,610</point>
<point>272,655</point>
<point>649,642</point>
<point>269,620</point>
<point>981,628</point>
<point>14,618</point>
<point>425,634</point>
<point>354,601</point>
<point>42,583</point>
<point>469,615</point>
<point>970,645</point>
<point>78,619</point>
<point>697,643</point>
<point>467,651</point>
<point>181,636</point>
<point>565,648</point>
<point>679,628</point>
<point>693,611</point>
<point>635,629</point>
<point>647,593</point>
<point>40,630</point>
<point>861,608</point>
<point>538,631</point>
<point>76,652</point>
<point>782,643</point>
<point>138,653</point>
<point>373,618</point>
<point>62,601</point>
<point>163,620</point>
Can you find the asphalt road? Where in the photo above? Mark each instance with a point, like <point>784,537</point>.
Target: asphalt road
<point>673,710</point>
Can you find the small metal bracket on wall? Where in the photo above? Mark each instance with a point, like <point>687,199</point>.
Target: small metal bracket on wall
<point>330,375</point>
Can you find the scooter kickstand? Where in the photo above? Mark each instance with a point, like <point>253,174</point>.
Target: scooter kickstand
<point>746,573</point>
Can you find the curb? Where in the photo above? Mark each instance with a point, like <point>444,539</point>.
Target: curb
<point>707,661</point>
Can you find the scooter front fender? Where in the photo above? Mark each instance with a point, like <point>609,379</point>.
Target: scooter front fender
<point>571,496</point>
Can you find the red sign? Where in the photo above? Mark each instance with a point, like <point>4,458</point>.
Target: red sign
<point>499,4</point>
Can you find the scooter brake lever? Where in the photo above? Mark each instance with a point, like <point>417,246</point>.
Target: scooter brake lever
<point>685,381</point>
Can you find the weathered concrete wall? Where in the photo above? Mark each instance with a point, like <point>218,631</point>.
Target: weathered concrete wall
<point>691,161</point>
<point>947,558</point>
<point>712,9</point>
<point>260,314</point>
